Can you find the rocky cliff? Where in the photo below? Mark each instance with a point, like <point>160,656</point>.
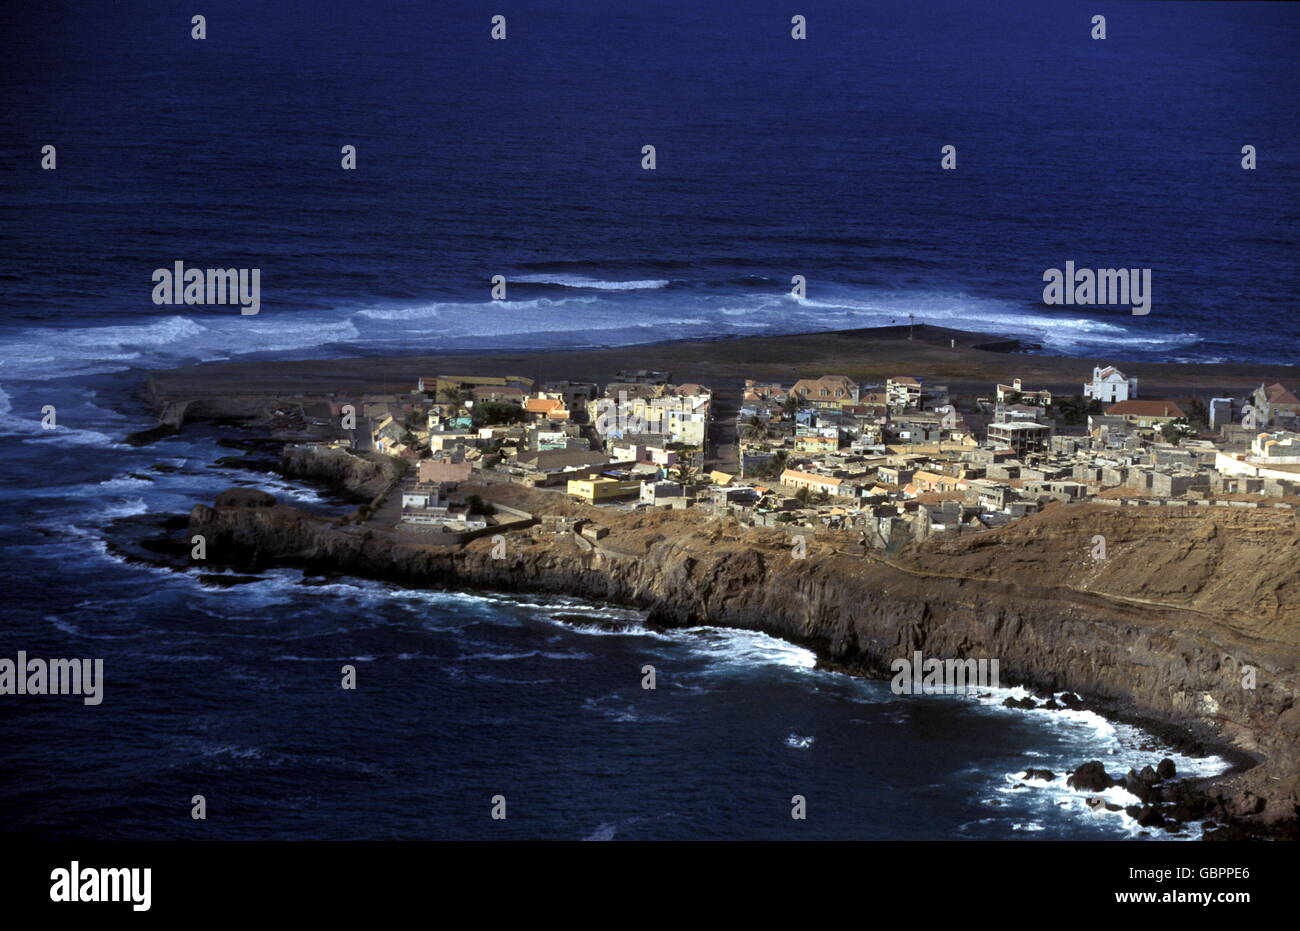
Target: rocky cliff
<point>362,476</point>
<point>1190,619</point>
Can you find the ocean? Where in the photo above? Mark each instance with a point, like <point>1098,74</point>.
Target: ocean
<point>522,158</point>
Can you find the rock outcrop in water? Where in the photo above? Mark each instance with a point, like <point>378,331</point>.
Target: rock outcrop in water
<point>1190,605</point>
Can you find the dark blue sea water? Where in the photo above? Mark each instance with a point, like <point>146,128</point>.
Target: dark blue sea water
<point>522,158</point>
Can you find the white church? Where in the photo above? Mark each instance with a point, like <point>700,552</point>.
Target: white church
<point>1110,386</point>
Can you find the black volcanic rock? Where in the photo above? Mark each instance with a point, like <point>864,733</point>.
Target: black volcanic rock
<point>224,580</point>
<point>245,498</point>
<point>1166,769</point>
<point>1136,785</point>
<point>1090,777</point>
<point>1147,816</point>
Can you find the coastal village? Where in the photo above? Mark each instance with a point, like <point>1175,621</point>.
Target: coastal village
<point>1070,533</point>
<point>891,463</point>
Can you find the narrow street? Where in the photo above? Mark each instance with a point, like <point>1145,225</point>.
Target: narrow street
<point>721,451</point>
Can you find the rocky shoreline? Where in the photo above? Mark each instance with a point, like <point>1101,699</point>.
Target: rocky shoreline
<point>1171,668</point>
<point>1159,635</point>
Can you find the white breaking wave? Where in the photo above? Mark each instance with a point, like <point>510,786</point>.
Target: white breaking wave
<point>46,353</point>
<point>597,284</point>
<point>620,312</point>
<point>748,648</point>
<point>460,312</point>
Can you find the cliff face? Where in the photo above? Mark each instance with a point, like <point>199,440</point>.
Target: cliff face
<point>364,477</point>
<point>1164,627</point>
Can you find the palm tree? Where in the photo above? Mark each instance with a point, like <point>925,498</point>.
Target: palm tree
<point>755,430</point>
<point>683,473</point>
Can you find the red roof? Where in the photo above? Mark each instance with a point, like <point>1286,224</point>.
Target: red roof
<point>1145,409</point>
<point>1278,395</point>
<point>544,406</point>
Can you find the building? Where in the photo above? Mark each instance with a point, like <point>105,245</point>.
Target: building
<point>572,393</point>
<point>903,391</point>
<point>645,454</point>
<point>992,496</point>
<point>497,393</point>
<point>768,393</point>
<point>1109,385</point>
<point>1022,436</point>
<point>422,496</point>
<point>596,490</point>
<point>664,494</point>
<point>827,391</point>
<point>441,385</point>
<point>817,443</point>
<point>546,409</point>
<point>815,483</point>
<point>1274,403</point>
<point>450,439</point>
<point>1220,412</point>
<point>1147,413</point>
<point>1015,394</point>
<point>389,437</point>
<point>559,459</point>
<point>1278,447</point>
<point>643,377</point>
<point>440,470</point>
<point>924,481</point>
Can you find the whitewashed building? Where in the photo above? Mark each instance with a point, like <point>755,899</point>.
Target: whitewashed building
<point>1110,386</point>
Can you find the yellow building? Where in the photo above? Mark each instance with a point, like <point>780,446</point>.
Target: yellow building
<point>440,384</point>
<point>596,490</point>
<point>816,444</point>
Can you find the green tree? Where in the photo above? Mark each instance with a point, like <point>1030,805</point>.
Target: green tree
<point>1075,410</point>
<point>493,413</point>
<point>773,467</point>
<point>478,506</point>
<point>1175,430</point>
<point>456,394</point>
